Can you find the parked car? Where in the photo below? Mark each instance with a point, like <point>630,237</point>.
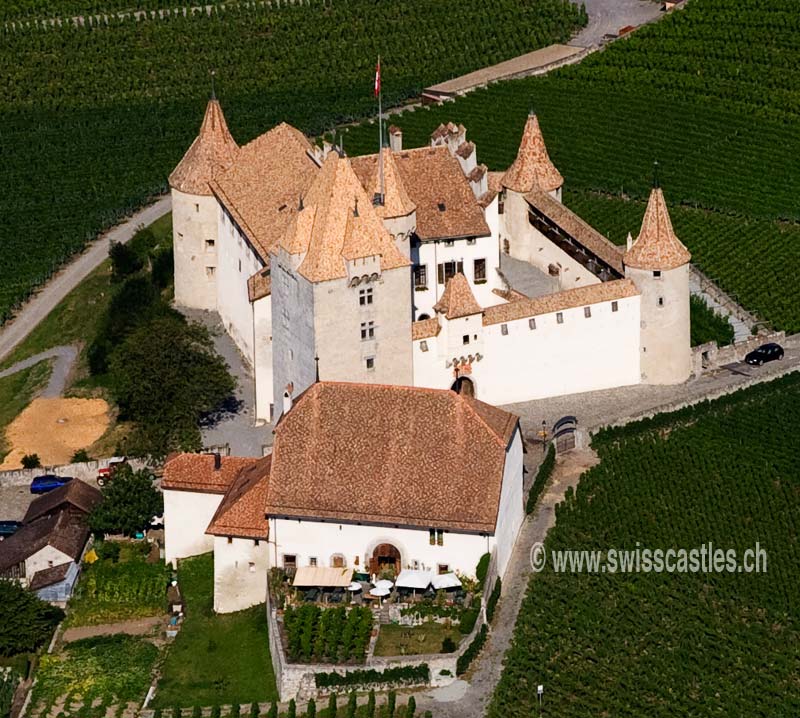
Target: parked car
<point>105,475</point>
<point>47,482</point>
<point>764,353</point>
<point>9,528</point>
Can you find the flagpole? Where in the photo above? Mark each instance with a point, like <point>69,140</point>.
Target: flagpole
<point>380,126</point>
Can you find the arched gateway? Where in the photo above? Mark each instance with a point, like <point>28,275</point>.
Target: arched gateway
<point>385,556</point>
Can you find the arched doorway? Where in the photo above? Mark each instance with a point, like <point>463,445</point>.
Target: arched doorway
<point>464,385</point>
<point>422,317</point>
<point>385,556</point>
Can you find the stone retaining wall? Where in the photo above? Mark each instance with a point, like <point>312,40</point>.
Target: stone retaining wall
<point>85,471</point>
<point>708,356</point>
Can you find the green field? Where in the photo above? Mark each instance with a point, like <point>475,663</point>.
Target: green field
<point>94,118</point>
<point>661,644</point>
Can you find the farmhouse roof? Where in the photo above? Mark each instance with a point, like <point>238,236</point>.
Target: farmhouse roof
<point>241,512</point>
<point>657,246</point>
<point>197,472</point>
<point>262,189</point>
<point>569,299</point>
<point>65,531</point>
<point>532,167</point>
<point>76,494</point>
<point>390,455</point>
<point>338,224</point>
<point>396,202</point>
<point>49,576</point>
<point>435,182</point>
<point>212,152</point>
<point>457,299</point>
<point>576,227</point>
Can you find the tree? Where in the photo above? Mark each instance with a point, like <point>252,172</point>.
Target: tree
<point>291,711</point>
<point>273,710</point>
<point>332,705</point>
<point>352,704</point>
<point>26,622</point>
<point>371,704</point>
<point>411,707</point>
<point>391,702</point>
<point>81,456</point>
<point>124,261</point>
<point>31,461</point>
<point>129,503</point>
<point>311,709</point>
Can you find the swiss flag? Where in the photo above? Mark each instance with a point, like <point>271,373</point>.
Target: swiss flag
<point>378,78</point>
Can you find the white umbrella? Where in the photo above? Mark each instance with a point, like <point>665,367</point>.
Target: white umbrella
<point>355,586</point>
<point>446,580</point>
<point>380,592</point>
<point>413,578</point>
<point>383,583</point>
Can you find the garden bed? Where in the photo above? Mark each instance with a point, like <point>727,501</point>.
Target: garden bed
<point>430,637</point>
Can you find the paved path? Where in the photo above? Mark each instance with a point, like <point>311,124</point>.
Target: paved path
<point>606,17</point>
<point>134,627</point>
<point>64,360</point>
<point>44,301</point>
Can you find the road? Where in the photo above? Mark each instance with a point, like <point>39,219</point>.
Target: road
<point>64,359</point>
<point>606,17</point>
<point>72,274</point>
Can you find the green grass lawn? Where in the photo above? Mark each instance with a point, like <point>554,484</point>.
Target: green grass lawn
<point>396,640</point>
<point>16,392</point>
<point>216,659</point>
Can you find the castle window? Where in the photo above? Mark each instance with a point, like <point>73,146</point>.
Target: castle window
<point>448,270</point>
<point>587,312</point>
<point>423,345</point>
<point>196,207</point>
<point>432,537</point>
<point>501,202</point>
<point>210,271</point>
<point>230,539</point>
<point>449,243</point>
<point>504,329</point>
<point>560,317</point>
<point>443,568</point>
<point>421,277</point>
<point>251,567</point>
<point>614,306</point>
<point>661,301</point>
<point>441,207</point>
<point>365,297</point>
<point>471,240</point>
<point>180,236</point>
<point>367,331</point>
<point>240,265</point>
<point>312,560</point>
<point>465,339</point>
<point>440,537</point>
<point>479,270</point>
<point>209,245</point>
<point>289,561</point>
<point>532,323</point>
<point>657,274</point>
<point>256,542</point>
<point>370,363</point>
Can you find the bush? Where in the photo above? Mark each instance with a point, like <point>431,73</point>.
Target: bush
<point>542,477</point>
<point>491,604</point>
<point>474,648</point>
<point>482,568</point>
<point>124,261</point>
<point>197,712</point>
<point>391,703</point>
<point>401,675</point>
<point>236,710</point>
<point>291,712</point>
<point>26,623</point>
<point>177,712</point>
<point>81,456</point>
<point>468,619</point>
<point>371,704</point>
<point>332,705</point>
<point>311,709</point>
<point>157,713</point>
<point>352,704</point>
<point>107,550</point>
<point>254,711</point>
<point>411,707</point>
<point>448,645</point>
<point>216,711</point>
<point>129,503</point>
<point>273,710</point>
<point>31,461</point>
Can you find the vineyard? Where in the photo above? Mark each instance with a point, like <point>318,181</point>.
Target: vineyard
<point>337,635</point>
<point>661,644</point>
<point>94,118</point>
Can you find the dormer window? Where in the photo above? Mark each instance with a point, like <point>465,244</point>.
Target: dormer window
<point>441,206</point>
<point>657,274</point>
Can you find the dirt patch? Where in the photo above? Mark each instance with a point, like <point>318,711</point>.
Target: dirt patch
<point>55,429</point>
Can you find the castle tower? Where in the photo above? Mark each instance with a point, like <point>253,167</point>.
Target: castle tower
<point>194,210</point>
<point>533,167</point>
<point>394,207</point>
<point>658,263</point>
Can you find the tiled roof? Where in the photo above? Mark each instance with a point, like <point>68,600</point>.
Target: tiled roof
<point>577,228</point>
<point>446,205</point>
<point>65,531</point>
<point>338,224</point>
<point>259,285</point>
<point>569,299</point>
<point>465,149</point>
<point>262,189</point>
<point>212,152</point>
<point>425,328</point>
<point>196,472</point>
<point>532,167</point>
<point>241,512</point>
<point>457,299</point>
<point>657,246</point>
<point>391,455</point>
<point>49,576</point>
<point>396,202</point>
<point>76,493</point>
<point>495,182</point>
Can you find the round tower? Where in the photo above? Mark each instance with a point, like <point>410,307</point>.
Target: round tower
<point>195,210</point>
<point>658,263</point>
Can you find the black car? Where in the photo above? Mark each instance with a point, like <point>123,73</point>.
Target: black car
<point>9,528</point>
<point>765,353</point>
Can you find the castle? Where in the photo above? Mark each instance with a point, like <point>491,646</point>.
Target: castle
<point>385,269</point>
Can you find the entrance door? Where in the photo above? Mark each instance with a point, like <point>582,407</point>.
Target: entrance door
<point>463,385</point>
<point>385,556</point>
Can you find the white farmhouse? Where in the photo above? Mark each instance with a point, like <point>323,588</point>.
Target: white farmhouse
<point>362,476</point>
<point>386,269</point>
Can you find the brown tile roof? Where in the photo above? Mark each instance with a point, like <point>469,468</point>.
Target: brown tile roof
<point>396,202</point>
<point>569,299</point>
<point>212,152</point>
<point>77,494</point>
<point>196,472</point>
<point>338,224</point>
<point>49,576</point>
<point>457,299</point>
<point>241,512</point>
<point>577,228</point>
<point>657,246</point>
<point>501,422</point>
<point>259,285</point>
<point>510,295</point>
<point>532,167</point>
<point>495,182</point>
<point>425,328</point>
<point>65,531</point>
<point>477,173</point>
<point>446,205</point>
<point>390,455</point>
<point>263,187</point>
<point>465,149</point>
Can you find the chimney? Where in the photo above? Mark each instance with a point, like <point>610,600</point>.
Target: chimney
<point>287,398</point>
<point>217,461</point>
<point>395,138</point>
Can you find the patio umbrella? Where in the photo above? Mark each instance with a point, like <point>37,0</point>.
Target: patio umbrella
<point>380,592</point>
<point>383,583</point>
<point>355,586</point>
<point>414,579</point>
<point>446,580</point>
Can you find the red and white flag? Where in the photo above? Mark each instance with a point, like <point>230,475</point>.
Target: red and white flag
<point>378,78</point>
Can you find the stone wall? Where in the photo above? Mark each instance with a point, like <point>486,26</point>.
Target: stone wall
<point>709,357</point>
<point>86,471</point>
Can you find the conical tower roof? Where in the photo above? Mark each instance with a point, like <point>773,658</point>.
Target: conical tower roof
<point>458,299</point>
<point>212,152</point>
<point>533,167</point>
<point>656,247</point>
<point>396,202</point>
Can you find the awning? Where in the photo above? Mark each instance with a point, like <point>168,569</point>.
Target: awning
<point>413,578</point>
<point>446,580</point>
<point>322,576</point>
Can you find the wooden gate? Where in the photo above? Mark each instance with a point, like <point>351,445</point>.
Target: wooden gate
<point>565,434</point>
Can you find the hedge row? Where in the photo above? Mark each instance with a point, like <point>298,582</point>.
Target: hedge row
<point>466,658</point>
<point>542,477</point>
<point>403,675</point>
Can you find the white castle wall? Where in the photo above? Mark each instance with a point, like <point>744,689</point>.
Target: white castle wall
<point>262,316</point>
<point>240,573</point>
<point>194,234</point>
<point>186,518</point>
<point>512,504</point>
